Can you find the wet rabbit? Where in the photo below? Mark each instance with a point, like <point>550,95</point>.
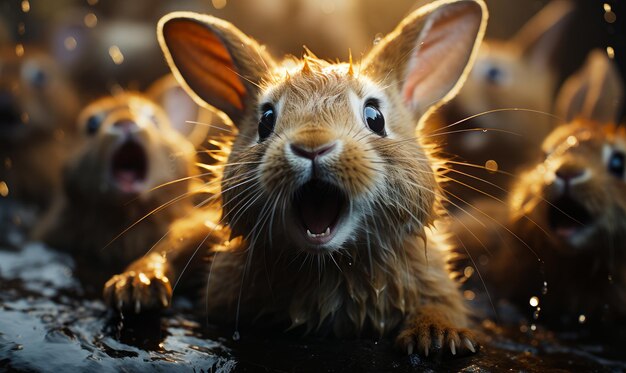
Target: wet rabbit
<point>328,195</point>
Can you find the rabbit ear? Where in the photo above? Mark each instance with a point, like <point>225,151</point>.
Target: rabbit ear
<point>430,52</point>
<point>218,65</point>
<point>185,116</point>
<point>595,92</point>
<point>540,36</point>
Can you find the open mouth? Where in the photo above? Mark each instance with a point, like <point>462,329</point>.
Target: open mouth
<point>129,167</point>
<point>568,217</point>
<point>319,206</point>
<point>9,117</point>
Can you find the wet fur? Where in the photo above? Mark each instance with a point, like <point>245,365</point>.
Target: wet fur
<point>389,273</point>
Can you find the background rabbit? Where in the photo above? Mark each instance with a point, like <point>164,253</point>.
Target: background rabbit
<point>564,223</point>
<point>117,198</point>
<point>337,177</point>
<point>38,109</point>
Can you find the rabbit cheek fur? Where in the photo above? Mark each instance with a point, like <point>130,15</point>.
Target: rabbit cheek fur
<point>328,214</point>
<point>128,148</point>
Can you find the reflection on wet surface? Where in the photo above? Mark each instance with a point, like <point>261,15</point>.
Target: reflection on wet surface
<point>48,323</point>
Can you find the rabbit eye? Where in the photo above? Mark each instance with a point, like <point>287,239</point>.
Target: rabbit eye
<point>494,74</point>
<point>93,124</point>
<point>267,121</point>
<point>616,164</point>
<point>374,118</point>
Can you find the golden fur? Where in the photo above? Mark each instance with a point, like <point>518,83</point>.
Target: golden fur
<point>384,270</point>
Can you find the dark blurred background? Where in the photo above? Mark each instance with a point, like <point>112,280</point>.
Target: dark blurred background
<point>111,43</point>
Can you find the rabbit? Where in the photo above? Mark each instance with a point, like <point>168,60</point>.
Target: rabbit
<point>121,187</point>
<point>326,169</point>
<point>564,224</point>
<point>38,108</point>
<point>516,73</point>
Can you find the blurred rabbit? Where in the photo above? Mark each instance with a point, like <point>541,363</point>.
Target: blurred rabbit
<point>516,73</point>
<point>38,108</point>
<point>567,214</point>
<point>121,188</point>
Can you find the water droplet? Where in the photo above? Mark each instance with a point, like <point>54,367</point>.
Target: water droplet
<point>534,301</point>
<point>544,288</point>
<point>25,6</point>
<point>21,28</point>
<point>19,50</point>
<point>572,141</point>
<point>377,38</point>
<point>610,17</point>
<point>4,189</point>
<point>607,7</point>
<point>491,165</point>
<point>236,335</point>
<point>610,52</point>
<point>483,260</point>
<point>533,327</point>
<point>70,43</point>
<point>468,271</point>
<point>582,319</point>
<point>116,55</point>
<point>536,313</point>
<point>469,295</point>
<point>90,20</point>
<point>218,4</point>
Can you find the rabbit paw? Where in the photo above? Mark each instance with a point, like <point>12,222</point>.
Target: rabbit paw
<point>138,291</point>
<point>430,334</point>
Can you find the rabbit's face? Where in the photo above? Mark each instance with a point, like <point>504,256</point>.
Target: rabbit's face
<point>331,158</point>
<point>129,148</point>
<point>578,193</point>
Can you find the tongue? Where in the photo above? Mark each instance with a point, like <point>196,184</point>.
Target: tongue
<point>126,179</point>
<point>319,210</point>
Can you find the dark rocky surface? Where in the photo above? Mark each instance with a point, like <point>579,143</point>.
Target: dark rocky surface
<point>49,323</point>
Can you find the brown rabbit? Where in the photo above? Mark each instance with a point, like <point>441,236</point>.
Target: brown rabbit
<point>328,194</point>
<point>515,73</point>
<point>567,214</point>
<point>38,109</point>
<point>128,150</point>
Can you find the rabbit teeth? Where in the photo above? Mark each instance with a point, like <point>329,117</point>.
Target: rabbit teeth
<point>315,235</point>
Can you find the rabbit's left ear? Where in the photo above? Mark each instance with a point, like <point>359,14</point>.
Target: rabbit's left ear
<point>427,57</point>
<point>595,92</point>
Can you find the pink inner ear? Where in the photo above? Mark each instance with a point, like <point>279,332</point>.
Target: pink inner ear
<point>205,64</point>
<point>442,52</point>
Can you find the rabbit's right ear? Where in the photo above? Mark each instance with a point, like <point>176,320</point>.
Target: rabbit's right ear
<point>218,65</point>
<point>539,37</point>
<point>595,92</point>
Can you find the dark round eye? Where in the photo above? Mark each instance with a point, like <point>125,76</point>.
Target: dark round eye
<point>266,122</point>
<point>494,75</point>
<point>93,124</point>
<point>374,118</point>
<point>616,164</point>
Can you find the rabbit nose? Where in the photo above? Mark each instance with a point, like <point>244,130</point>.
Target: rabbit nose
<point>571,175</point>
<point>126,125</point>
<point>313,154</point>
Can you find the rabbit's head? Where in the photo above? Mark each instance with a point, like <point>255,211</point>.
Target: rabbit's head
<point>327,153</point>
<point>578,192</point>
<point>129,148</point>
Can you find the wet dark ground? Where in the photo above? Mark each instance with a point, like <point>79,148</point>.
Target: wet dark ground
<point>47,323</point>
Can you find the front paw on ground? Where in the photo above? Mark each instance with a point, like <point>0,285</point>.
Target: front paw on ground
<point>137,292</point>
<point>431,335</point>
